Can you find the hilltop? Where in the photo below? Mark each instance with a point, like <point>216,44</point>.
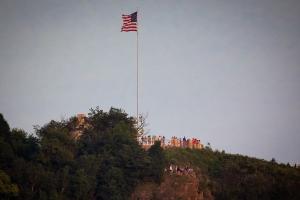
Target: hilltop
<point>218,175</point>
<point>104,160</point>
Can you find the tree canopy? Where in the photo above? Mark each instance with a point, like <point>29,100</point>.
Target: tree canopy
<point>106,162</point>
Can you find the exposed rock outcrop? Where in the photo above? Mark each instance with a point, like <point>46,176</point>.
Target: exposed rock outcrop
<point>173,186</point>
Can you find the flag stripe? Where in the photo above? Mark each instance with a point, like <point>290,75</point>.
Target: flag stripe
<point>129,22</point>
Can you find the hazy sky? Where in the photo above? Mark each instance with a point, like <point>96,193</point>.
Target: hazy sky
<point>227,72</point>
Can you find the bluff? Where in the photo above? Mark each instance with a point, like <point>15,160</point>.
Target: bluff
<point>219,175</point>
<point>101,158</point>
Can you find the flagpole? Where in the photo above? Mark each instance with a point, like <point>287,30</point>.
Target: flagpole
<point>137,72</point>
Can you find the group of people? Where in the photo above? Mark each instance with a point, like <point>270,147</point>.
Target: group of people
<point>184,142</point>
<point>150,140</point>
<point>174,169</point>
<point>192,143</point>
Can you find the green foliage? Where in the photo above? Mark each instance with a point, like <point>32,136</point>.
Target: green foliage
<point>106,162</point>
<point>6,151</point>
<point>158,162</point>
<point>239,177</point>
<point>4,127</point>
<point>122,161</point>
<point>7,189</point>
<point>23,145</point>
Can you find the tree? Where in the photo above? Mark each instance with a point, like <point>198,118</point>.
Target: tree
<point>4,127</point>
<point>7,189</point>
<point>6,151</point>
<point>158,162</point>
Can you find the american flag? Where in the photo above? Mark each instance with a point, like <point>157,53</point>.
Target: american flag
<point>129,22</point>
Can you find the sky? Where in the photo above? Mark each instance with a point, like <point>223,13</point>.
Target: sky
<point>226,72</point>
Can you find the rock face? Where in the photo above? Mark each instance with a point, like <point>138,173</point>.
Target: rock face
<point>173,186</point>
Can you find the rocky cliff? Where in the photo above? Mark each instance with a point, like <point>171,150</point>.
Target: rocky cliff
<point>173,186</point>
